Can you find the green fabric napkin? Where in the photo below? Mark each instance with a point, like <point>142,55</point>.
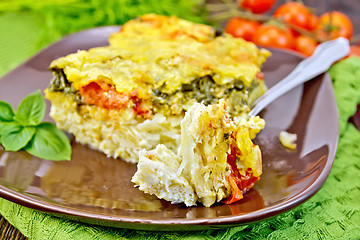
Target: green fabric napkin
<point>332,213</point>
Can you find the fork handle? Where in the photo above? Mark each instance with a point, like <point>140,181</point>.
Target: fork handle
<point>323,57</point>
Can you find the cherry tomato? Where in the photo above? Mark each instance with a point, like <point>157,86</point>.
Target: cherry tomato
<point>274,36</point>
<point>333,25</point>
<point>305,45</point>
<point>313,22</point>
<point>354,51</point>
<point>257,6</point>
<point>296,14</point>
<point>239,27</point>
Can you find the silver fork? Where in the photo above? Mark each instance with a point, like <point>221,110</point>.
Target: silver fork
<point>323,57</point>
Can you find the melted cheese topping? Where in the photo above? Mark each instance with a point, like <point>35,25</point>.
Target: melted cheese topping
<point>163,53</point>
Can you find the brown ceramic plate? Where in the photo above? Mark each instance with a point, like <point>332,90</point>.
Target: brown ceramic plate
<point>95,189</point>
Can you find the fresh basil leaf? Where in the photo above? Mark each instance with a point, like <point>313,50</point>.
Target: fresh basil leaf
<point>7,126</point>
<point>6,112</point>
<point>14,136</point>
<point>31,110</point>
<point>2,128</point>
<point>49,143</point>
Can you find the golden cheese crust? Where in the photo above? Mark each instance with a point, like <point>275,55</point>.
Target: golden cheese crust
<point>158,52</point>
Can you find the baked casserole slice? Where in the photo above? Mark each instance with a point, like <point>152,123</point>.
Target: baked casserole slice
<point>131,96</point>
<point>133,93</point>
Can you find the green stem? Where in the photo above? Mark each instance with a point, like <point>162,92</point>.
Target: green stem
<point>216,7</point>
